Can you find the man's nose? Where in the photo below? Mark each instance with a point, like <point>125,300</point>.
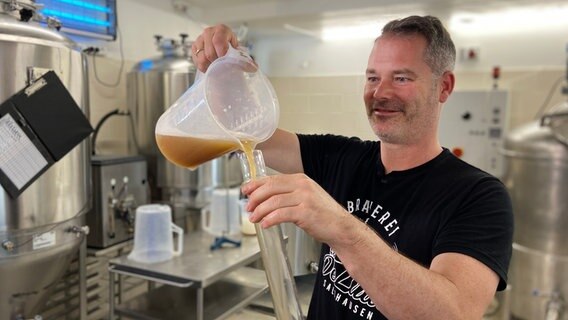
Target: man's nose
<point>383,89</point>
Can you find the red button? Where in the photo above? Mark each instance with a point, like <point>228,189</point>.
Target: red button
<point>458,152</point>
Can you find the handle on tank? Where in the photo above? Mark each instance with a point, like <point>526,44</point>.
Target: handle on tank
<point>546,120</point>
<point>179,232</point>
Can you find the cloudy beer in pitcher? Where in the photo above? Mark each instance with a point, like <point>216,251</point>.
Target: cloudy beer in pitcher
<point>190,152</point>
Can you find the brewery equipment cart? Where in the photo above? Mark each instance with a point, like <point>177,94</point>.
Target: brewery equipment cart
<point>199,284</point>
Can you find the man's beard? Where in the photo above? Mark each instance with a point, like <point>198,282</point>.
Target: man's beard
<point>388,136</point>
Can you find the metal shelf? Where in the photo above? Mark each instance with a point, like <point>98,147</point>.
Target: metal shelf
<point>191,274</point>
<point>222,298</point>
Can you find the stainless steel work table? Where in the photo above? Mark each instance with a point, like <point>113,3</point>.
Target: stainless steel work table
<point>217,281</point>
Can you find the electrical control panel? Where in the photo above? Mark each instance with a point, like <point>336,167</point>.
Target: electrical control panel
<point>473,126</point>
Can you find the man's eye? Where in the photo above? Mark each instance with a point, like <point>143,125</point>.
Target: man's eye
<point>372,79</point>
<point>401,79</point>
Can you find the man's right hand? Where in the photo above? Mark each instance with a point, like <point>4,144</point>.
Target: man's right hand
<point>211,44</point>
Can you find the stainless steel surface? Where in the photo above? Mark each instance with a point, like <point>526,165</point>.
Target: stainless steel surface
<point>223,172</point>
<point>537,179</point>
<point>219,300</point>
<point>154,85</point>
<point>197,267</point>
<point>197,264</point>
<point>537,277</point>
<point>62,193</point>
<point>303,250</point>
<point>120,185</point>
<point>28,273</point>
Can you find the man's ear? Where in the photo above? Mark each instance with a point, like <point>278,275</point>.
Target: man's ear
<point>448,81</point>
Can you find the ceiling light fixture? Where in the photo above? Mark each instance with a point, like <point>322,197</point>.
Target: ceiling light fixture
<point>352,32</point>
<point>510,21</point>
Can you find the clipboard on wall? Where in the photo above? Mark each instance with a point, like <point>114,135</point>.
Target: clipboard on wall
<point>39,125</point>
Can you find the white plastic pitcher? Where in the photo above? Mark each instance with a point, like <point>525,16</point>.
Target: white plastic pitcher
<point>153,234</point>
<point>232,102</point>
<point>222,215</point>
<point>247,227</point>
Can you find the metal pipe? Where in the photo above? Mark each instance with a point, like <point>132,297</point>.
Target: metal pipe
<point>555,307</point>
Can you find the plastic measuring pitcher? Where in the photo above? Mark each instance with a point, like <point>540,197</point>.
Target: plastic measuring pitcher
<point>221,216</point>
<point>231,104</point>
<point>153,234</point>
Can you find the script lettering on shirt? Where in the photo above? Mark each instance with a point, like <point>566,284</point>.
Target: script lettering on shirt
<point>343,288</point>
<point>337,281</point>
<point>362,311</point>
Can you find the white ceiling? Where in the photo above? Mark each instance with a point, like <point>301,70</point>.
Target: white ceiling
<point>278,17</point>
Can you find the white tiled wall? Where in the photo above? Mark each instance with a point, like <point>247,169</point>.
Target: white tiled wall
<point>113,135</point>
<point>334,104</point>
<point>326,104</point>
<point>323,105</point>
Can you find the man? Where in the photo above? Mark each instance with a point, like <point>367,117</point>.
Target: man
<point>409,230</point>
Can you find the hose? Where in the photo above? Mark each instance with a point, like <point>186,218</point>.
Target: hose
<point>100,124</point>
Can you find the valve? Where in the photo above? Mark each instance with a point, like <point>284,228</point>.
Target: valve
<point>554,305</point>
<point>8,245</point>
<point>80,231</point>
<point>313,267</point>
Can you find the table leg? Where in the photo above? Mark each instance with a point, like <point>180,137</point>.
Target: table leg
<point>199,306</point>
<point>120,287</point>
<point>83,279</point>
<point>110,295</point>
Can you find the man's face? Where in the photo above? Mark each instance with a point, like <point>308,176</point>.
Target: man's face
<point>401,95</point>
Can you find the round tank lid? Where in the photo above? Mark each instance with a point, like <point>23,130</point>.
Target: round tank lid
<point>534,141</point>
<point>11,26</point>
<point>171,63</point>
<point>557,121</point>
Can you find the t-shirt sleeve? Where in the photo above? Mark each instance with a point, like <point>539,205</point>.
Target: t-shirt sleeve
<point>320,154</point>
<point>482,229</point>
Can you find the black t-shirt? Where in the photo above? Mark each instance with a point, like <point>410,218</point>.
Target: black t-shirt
<point>444,205</point>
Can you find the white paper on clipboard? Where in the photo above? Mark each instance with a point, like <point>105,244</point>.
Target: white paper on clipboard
<point>20,160</point>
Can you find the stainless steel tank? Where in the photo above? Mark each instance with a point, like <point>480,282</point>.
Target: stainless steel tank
<point>40,231</point>
<point>537,178</point>
<point>153,85</point>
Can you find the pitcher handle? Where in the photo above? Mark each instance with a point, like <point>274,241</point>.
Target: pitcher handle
<point>179,231</point>
<point>243,57</point>
<point>205,216</point>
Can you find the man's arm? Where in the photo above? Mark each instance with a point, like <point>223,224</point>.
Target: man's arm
<point>282,152</point>
<point>455,286</point>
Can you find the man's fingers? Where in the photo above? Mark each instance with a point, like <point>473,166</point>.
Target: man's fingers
<point>273,204</point>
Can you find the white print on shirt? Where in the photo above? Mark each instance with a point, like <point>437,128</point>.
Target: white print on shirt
<point>344,289</point>
<point>336,280</point>
<point>375,211</point>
